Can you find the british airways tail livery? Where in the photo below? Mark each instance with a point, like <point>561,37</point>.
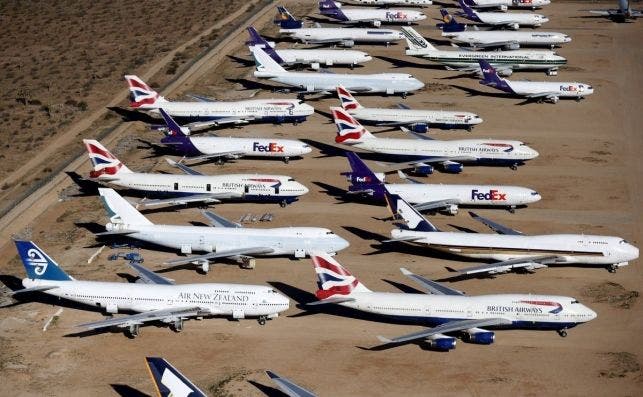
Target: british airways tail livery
<point>446,310</point>
<point>141,95</point>
<point>169,381</point>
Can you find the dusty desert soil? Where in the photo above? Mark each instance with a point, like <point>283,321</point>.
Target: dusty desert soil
<point>588,173</point>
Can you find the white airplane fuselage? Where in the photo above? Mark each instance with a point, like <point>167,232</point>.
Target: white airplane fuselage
<point>489,37</point>
<point>468,195</point>
<point>533,4</point>
<point>395,2</point>
<point>291,241</point>
<point>382,15</point>
<point>560,89</point>
<point>525,311</point>
<point>571,248</point>
<point>345,36</point>
<point>252,187</point>
<point>252,147</point>
<point>450,119</point>
<point>214,299</point>
<point>323,57</point>
<point>513,19</point>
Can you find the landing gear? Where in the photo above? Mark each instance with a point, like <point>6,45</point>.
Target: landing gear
<point>283,203</point>
<point>133,330</point>
<point>177,326</point>
<point>612,268</point>
<point>262,320</point>
<point>512,209</point>
<point>469,128</point>
<point>514,167</point>
<point>562,333</point>
<point>352,66</point>
<point>205,265</point>
<point>286,160</point>
<point>404,95</point>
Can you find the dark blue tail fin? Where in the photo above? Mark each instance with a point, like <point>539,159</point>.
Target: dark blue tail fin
<point>330,9</point>
<point>490,77</point>
<point>38,265</point>
<point>173,128</point>
<point>285,19</point>
<point>362,178</point>
<point>169,381</point>
<point>255,38</point>
<point>468,12</point>
<point>450,25</point>
<point>414,220</point>
<point>177,137</point>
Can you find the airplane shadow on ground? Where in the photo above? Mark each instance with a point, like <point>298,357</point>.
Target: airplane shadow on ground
<point>127,391</point>
<point>267,390</point>
<point>242,61</point>
<point>474,92</point>
<point>156,149</point>
<point>133,115</point>
<point>86,187</point>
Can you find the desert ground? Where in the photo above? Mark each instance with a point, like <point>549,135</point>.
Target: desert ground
<point>588,173</point>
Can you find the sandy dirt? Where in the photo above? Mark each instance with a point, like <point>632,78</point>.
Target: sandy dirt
<point>589,175</point>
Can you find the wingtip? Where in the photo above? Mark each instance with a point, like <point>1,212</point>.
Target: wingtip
<point>405,271</point>
<point>271,374</point>
<point>383,339</point>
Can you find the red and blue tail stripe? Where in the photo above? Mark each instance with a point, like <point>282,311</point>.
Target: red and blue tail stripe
<point>347,127</point>
<point>333,279</point>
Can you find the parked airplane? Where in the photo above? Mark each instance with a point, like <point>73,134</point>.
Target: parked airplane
<point>447,310</point>
<point>386,3</point>
<point>224,239</point>
<point>505,4</point>
<point>503,19</point>
<point>374,17</point>
<point>194,186</point>
<point>169,381</point>
<point>505,62</point>
<point>202,148</point>
<point>313,57</point>
<point>621,14</point>
<point>420,153</point>
<point>287,386</point>
<point>155,299</point>
<point>493,38</point>
<point>514,250</point>
<point>346,37</point>
<point>310,82</point>
<point>416,120</point>
<point>538,90</point>
<point>441,197</point>
<point>207,113</point>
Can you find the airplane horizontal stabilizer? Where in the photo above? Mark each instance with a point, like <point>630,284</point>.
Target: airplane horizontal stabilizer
<point>41,288</point>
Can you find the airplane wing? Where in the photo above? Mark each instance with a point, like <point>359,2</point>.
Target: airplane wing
<point>402,239</point>
<point>548,95</point>
<point>166,315</point>
<point>202,125</point>
<point>430,285</point>
<point>416,135</point>
<point>431,205</point>
<point>411,164</point>
<point>288,387</point>
<point>117,233</point>
<point>148,276</point>
<point>360,89</point>
<point>330,301</point>
<point>528,263</point>
<point>509,43</point>
<point>41,288</point>
<point>496,227</point>
<point>403,106</point>
<point>219,221</point>
<point>201,98</point>
<point>221,254</point>
<point>402,175</point>
<point>451,326</point>
<point>195,198</point>
<point>187,170</point>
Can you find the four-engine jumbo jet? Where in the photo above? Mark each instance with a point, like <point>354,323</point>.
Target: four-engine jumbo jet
<point>200,148</point>
<point>207,113</point>
<point>505,62</point>
<point>503,19</point>
<point>432,197</point>
<point>505,4</point>
<point>346,37</point>
<point>514,250</point>
<point>386,3</point>
<point>224,239</point>
<point>536,90</point>
<point>447,310</point>
<point>511,40</point>
<point>374,17</point>
<point>313,57</point>
<point>155,299</point>
<point>311,82</point>
<point>622,14</point>
<point>416,120</point>
<point>193,187</point>
<point>419,153</point>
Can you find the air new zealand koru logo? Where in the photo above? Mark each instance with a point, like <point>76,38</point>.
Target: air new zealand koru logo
<point>36,259</point>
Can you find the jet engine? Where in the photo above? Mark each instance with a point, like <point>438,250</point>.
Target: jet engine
<point>422,128</point>
<point>315,66</point>
<point>423,170</point>
<point>377,24</point>
<point>479,336</point>
<point>347,43</point>
<point>451,209</point>
<point>452,167</point>
<point>441,342</point>
<point>514,26</point>
<point>512,46</point>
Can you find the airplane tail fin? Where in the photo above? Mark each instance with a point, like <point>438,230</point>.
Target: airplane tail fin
<point>414,220</point>
<point>415,41</point>
<point>347,100</point>
<point>363,178</point>
<point>120,210</point>
<point>349,130</point>
<point>490,77</point>
<point>468,11</point>
<point>103,162</point>
<point>257,41</point>
<point>285,20</point>
<point>169,381</point>
<point>332,278</point>
<point>173,128</point>
<point>38,264</point>
<point>450,25</point>
<point>330,9</point>
<point>141,95</point>
<point>266,66</point>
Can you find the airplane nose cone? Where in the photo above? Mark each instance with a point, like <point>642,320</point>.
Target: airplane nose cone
<point>476,120</point>
<point>534,197</point>
<point>368,58</point>
<point>305,149</point>
<point>303,189</point>
<point>544,19</point>
<point>418,84</point>
<point>567,39</point>
<point>591,313</point>
<point>632,252</point>
<point>341,244</point>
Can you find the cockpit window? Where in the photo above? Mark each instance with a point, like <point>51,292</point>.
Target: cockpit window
<point>623,242</point>
<point>534,193</point>
<point>291,179</point>
<point>574,300</point>
<point>330,233</point>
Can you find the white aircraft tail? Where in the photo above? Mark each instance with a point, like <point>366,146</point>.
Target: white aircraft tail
<point>141,95</point>
<point>334,280</point>
<point>266,66</point>
<point>103,162</point>
<point>416,43</point>
<point>120,210</point>
<point>346,99</point>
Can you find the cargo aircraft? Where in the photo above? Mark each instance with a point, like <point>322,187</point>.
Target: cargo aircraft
<point>372,16</point>
<point>507,20</point>
<point>620,14</point>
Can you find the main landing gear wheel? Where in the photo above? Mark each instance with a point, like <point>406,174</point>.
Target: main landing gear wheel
<point>286,160</point>
<point>514,167</point>
<point>262,320</point>
<point>612,269</point>
<point>562,333</point>
<point>404,95</point>
<point>283,204</point>
<point>133,330</point>
<point>512,210</point>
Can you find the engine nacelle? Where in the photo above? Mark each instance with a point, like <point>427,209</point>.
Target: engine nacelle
<point>514,26</point>
<point>377,24</point>
<point>111,308</point>
<point>421,128</point>
<point>480,338</point>
<point>315,66</point>
<point>452,167</point>
<point>348,43</point>
<point>503,8</point>
<point>423,170</point>
<point>451,209</point>
<point>310,88</point>
<point>442,343</point>
<point>512,46</point>
<point>238,314</point>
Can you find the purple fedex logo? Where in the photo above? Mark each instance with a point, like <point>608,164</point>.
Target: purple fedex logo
<point>272,147</point>
<point>492,194</point>
<point>569,88</point>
